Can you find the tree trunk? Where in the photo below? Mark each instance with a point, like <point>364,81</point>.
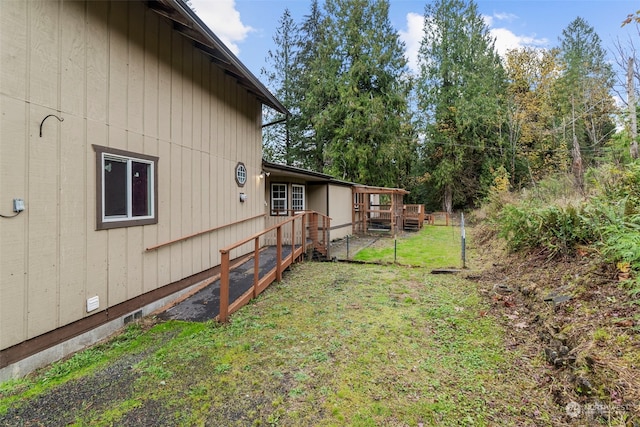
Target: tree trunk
<point>447,202</point>
<point>576,166</point>
<point>631,99</point>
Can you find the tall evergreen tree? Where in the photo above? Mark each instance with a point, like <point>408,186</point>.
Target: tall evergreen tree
<point>316,70</point>
<point>584,91</point>
<point>277,138</point>
<point>460,92</point>
<point>365,120</point>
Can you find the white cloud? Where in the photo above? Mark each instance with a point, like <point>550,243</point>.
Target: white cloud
<point>224,20</point>
<point>509,17</point>
<point>504,37</point>
<point>412,38</point>
<point>507,40</point>
<point>488,20</point>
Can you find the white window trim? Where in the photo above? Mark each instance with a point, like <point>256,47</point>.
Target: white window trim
<point>241,174</point>
<point>293,187</point>
<point>286,201</point>
<point>129,216</point>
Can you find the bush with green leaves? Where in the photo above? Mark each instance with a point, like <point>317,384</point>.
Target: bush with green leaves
<point>553,229</point>
<point>609,219</point>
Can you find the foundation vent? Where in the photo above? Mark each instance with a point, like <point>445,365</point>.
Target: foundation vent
<point>93,303</point>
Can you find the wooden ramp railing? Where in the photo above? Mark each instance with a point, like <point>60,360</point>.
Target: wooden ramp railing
<point>305,231</point>
<point>414,217</point>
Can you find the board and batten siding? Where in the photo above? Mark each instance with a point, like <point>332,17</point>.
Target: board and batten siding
<point>340,210</point>
<point>120,77</point>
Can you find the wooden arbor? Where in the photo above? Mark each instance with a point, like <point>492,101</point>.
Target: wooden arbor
<point>377,209</point>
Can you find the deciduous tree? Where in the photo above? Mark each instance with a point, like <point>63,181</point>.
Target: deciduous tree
<point>535,147</point>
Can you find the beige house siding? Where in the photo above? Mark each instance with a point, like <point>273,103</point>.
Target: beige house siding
<point>322,194</point>
<point>120,77</point>
<point>271,220</point>
<point>340,210</point>
<point>317,198</point>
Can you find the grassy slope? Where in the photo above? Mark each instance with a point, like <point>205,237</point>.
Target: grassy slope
<point>332,344</point>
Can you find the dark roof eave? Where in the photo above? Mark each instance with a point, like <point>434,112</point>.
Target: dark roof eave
<point>194,28</point>
<point>324,178</point>
<point>299,171</point>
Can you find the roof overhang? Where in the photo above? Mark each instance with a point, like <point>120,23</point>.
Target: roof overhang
<point>294,172</point>
<point>186,22</point>
<point>321,178</point>
<point>368,189</point>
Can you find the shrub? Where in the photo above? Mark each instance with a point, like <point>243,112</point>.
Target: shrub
<point>553,229</point>
<point>609,219</point>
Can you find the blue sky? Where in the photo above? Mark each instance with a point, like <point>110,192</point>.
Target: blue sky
<point>248,26</point>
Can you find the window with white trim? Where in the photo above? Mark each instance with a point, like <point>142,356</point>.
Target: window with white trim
<point>241,174</point>
<point>297,198</point>
<point>278,199</point>
<point>127,192</point>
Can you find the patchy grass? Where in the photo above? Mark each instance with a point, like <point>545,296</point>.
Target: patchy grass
<point>431,247</point>
<point>332,344</point>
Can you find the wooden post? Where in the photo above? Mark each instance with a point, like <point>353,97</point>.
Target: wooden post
<point>304,235</point>
<point>224,287</point>
<point>327,227</point>
<point>354,203</point>
<point>392,215</point>
<point>293,239</point>
<point>279,253</point>
<point>327,244</point>
<point>256,266</point>
<point>367,211</point>
<point>313,229</point>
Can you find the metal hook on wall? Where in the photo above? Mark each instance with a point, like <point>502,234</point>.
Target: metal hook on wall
<point>60,119</point>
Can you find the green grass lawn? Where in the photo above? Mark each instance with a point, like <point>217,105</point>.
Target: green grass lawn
<point>431,247</point>
<point>333,344</point>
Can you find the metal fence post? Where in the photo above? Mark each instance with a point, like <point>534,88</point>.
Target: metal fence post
<point>463,235</point>
<point>395,250</point>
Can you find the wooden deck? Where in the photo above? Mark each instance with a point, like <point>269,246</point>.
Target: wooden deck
<point>413,217</point>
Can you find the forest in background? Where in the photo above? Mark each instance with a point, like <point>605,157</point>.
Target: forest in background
<point>467,123</point>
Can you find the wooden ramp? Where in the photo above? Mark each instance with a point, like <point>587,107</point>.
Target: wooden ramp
<point>204,305</point>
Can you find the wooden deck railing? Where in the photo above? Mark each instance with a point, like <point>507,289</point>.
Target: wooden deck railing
<point>306,230</point>
<point>414,213</point>
<point>440,218</point>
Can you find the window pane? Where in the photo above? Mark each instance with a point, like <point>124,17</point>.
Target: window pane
<point>140,189</point>
<point>115,187</point>
<point>279,199</point>
<point>297,198</point>
<point>278,205</point>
